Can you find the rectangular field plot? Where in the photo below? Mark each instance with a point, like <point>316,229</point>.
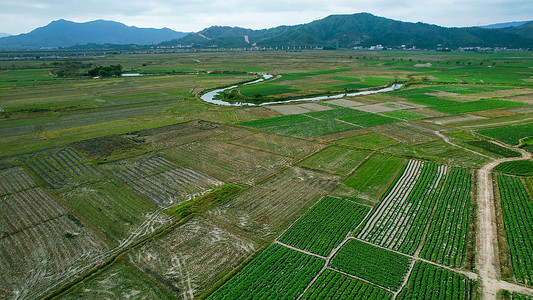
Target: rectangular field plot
<point>510,134</point>
<point>193,256</point>
<point>278,273</point>
<point>174,186</point>
<point>15,179</point>
<point>27,208</point>
<point>182,133</point>
<point>229,162</point>
<point>300,125</point>
<point>282,145</point>
<point>136,168</point>
<point>370,141</point>
<point>325,225</point>
<point>336,160</point>
<point>121,281</point>
<point>369,120</point>
<point>517,209</point>
<point>35,259</point>
<point>430,282</point>
<point>161,180</point>
<point>377,265</point>
<point>268,207</point>
<point>447,237</point>
<point>62,168</point>
<point>334,285</point>
<point>399,220</point>
<point>371,179</point>
<point>441,152</point>
<point>110,208</point>
<point>465,107</point>
<point>426,194</point>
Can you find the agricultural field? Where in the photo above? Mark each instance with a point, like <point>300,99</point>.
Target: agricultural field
<point>15,179</point>
<point>324,226</point>
<point>399,221</point>
<point>377,265</point>
<point>120,281</point>
<point>193,256</point>
<point>517,207</point>
<point>334,285</point>
<point>136,188</point>
<point>370,180</point>
<point>62,168</point>
<point>430,282</point>
<point>236,164</point>
<point>337,160</point>
<point>271,205</point>
<point>277,273</point>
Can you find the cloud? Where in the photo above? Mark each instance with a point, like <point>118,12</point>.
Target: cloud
<point>194,15</point>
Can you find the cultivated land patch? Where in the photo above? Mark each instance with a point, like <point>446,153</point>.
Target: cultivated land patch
<point>193,256</point>
<point>517,207</point>
<point>334,285</point>
<point>370,141</point>
<point>15,179</point>
<point>509,134</point>
<point>371,179</point>
<point>405,114</point>
<point>407,133</point>
<point>62,168</point>
<point>278,273</point>
<point>161,180</point>
<point>385,107</point>
<point>37,258</point>
<point>290,109</point>
<point>279,144</point>
<point>120,281</point>
<point>110,208</point>
<point>270,206</point>
<point>377,265</point>
<point>233,163</point>
<point>518,168</point>
<point>455,119</point>
<point>344,103</point>
<point>28,208</point>
<point>336,160</point>
<point>480,105</point>
<point>430,282</point>
<point>109,147</point>
<point>325,225</point>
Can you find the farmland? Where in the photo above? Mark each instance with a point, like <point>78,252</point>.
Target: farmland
<point>136,188</point>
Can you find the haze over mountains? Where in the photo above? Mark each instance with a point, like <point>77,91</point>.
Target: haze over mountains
<point>63,33</point>
<point>361,29</point>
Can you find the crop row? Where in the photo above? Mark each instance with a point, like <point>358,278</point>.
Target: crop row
<point>27,208</point>
<point>278,273</point>
<point>62,167</point>
<point>334,285</point>
<point>447,236</point>
<point>518,220</point>
<point>377,265</point>
<point>399,221</point>
<point>430,282</point>
<point>174,186</point>
<point>15,179</point>
<point>325,225</point>
<point>134,169</point>
<point>459,108</point>
<point>518,168</point>
<point>509,134</point>
<point>494,148</point>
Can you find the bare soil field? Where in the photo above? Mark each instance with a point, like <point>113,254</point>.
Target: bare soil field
<point>193,256</point>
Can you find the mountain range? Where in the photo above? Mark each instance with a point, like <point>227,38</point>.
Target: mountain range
<point>346,31</point>
<point>63,33</point>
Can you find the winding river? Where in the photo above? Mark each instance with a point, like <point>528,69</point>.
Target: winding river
<point>210,96</point>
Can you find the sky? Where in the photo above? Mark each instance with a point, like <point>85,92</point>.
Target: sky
<point>194,15</point>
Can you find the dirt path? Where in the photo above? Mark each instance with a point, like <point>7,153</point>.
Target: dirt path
<point>487,262</point>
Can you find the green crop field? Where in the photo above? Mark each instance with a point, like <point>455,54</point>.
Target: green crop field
<point>136,188</point>
<point>371,263</point>
<point>325,225</point>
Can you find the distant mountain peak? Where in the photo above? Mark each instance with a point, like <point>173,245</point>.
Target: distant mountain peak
<point>65,33</point>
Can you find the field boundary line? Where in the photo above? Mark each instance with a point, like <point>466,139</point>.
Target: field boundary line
<point>446,140</point>
<point>361,279</point>
<point>299,250</point>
